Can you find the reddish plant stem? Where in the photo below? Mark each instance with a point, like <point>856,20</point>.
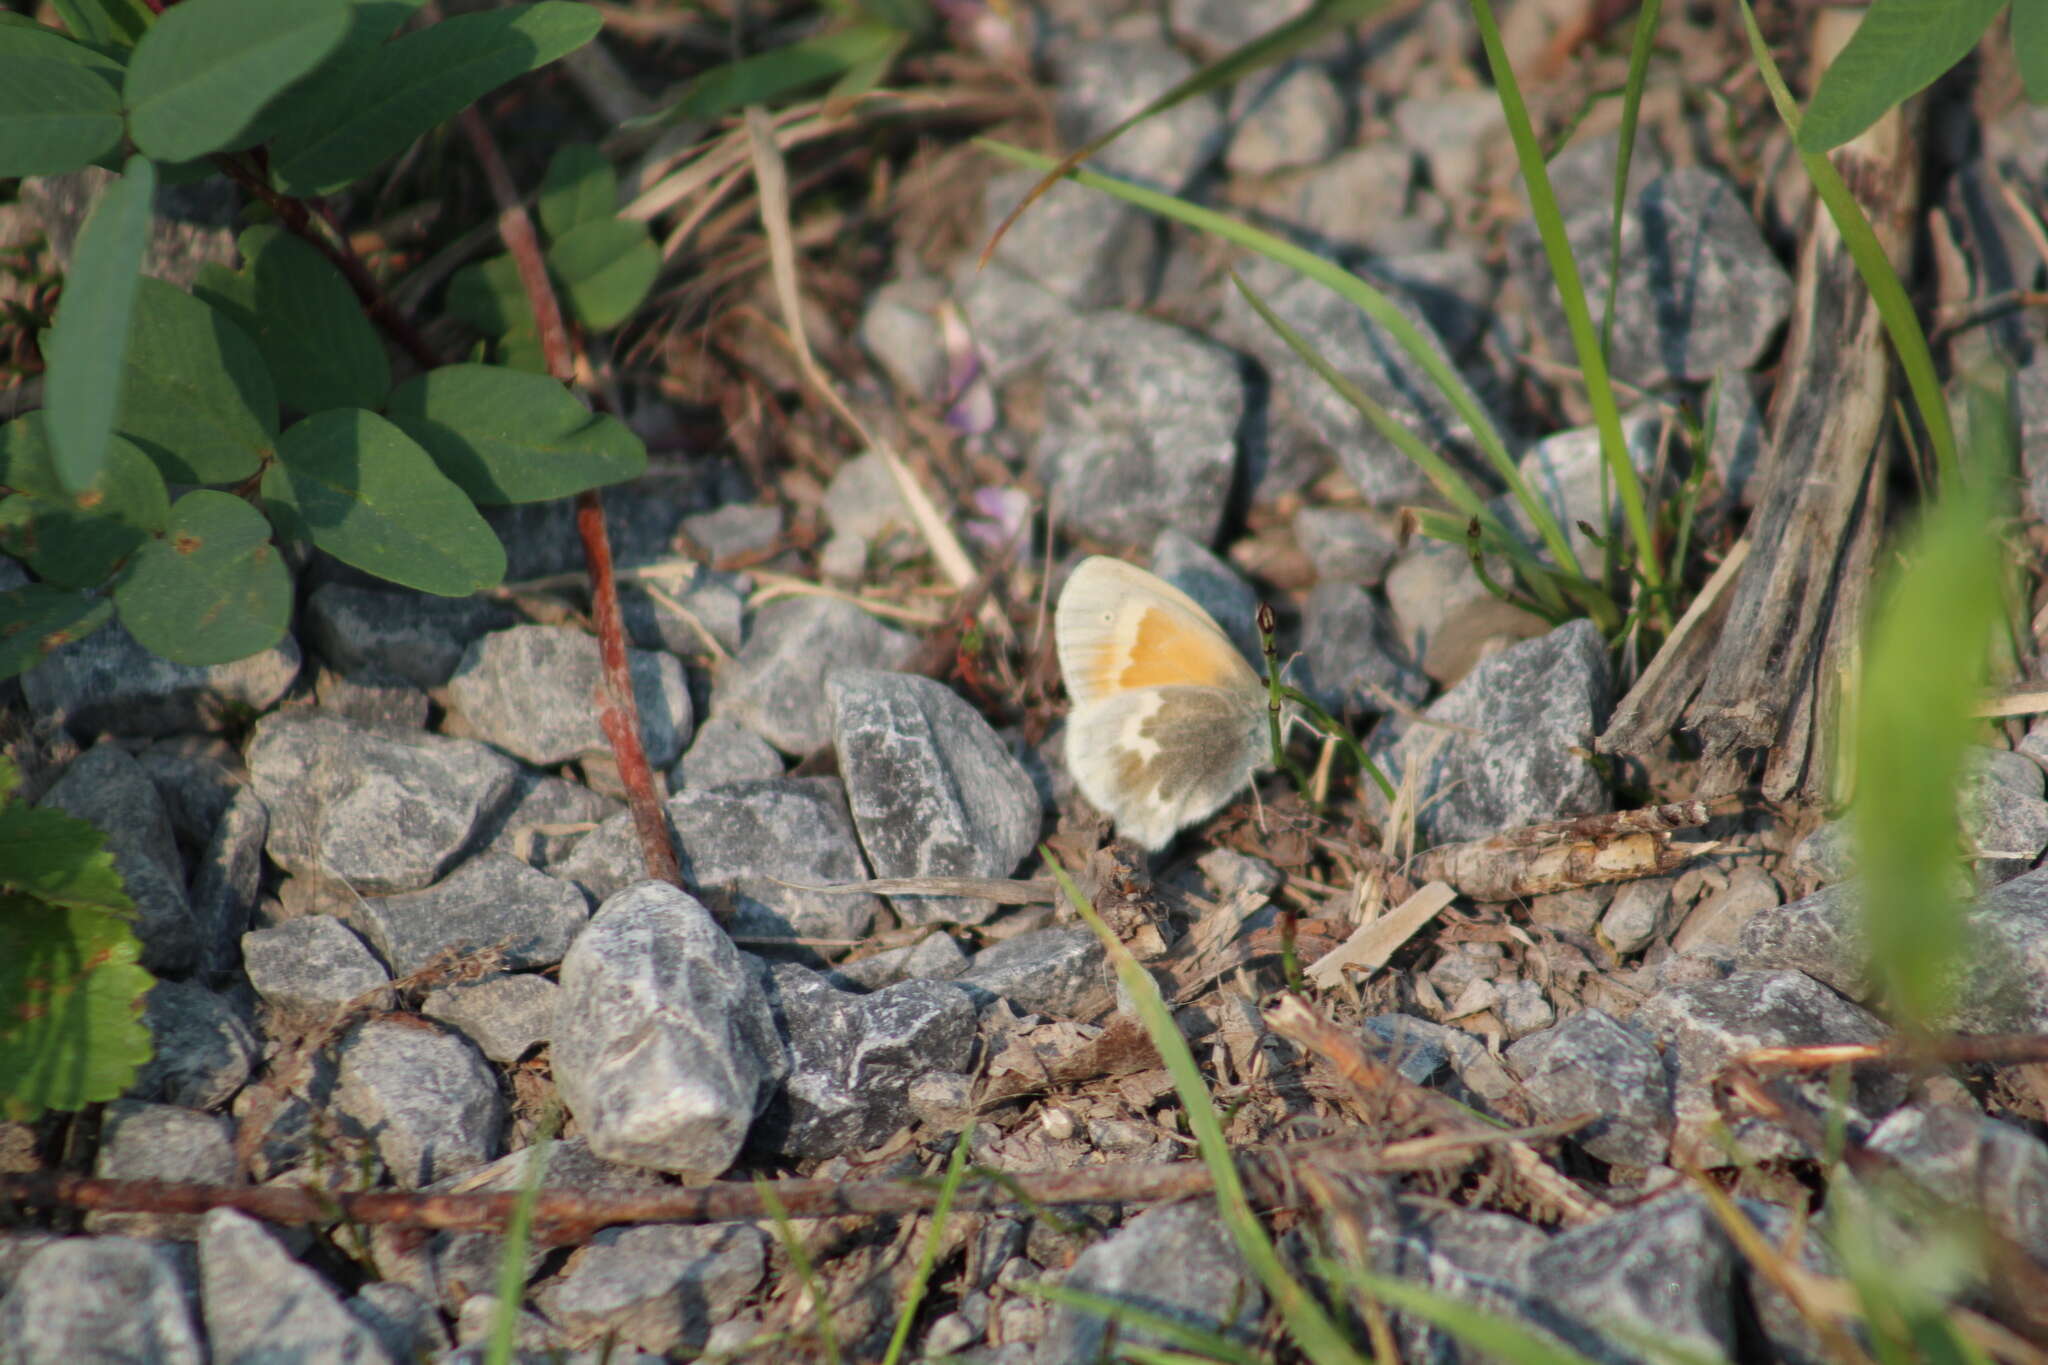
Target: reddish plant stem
<point>618,712</point>
<point>297,219</point>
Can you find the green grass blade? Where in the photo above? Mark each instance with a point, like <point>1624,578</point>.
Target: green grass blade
<point>928,1260</point>
<point>1872,264</point>
<point>518,1234</point>
<point>1313,1330</point>
<point>1495,1337</point>
<point>800,1260</point>
<point>1571,291</point>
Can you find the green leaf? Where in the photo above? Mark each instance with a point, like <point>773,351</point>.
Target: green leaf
<point>212,588</point>
<point>75,539</point>
<point>360,489</point>
<point>72,1031</point>
<point>2030,49</point>
<point>108,22</point>
<point>347,121</point>
<point>488,297</point>
<point>91,339</point>
<point>1897,51</point>
<point>508,437</point>
<point>58,858</point>
<point>606,268</point>
<point>765,78</point>
<point>321,351</point>
<point>23,37</point>
<point>195,394</point>
<point>36,619</point>
<point>580,187</point>
<point>55,116</point>
<point>206,68</point>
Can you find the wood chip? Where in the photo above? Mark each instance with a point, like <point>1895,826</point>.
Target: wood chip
<point>1371,945</point>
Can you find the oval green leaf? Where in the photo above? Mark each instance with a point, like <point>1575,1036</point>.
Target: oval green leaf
<point>24,37</point>
<point>86,349</point>
<point>580,187</point>
<point>195,394</point>
<point>606,268</point>
<point>360,489</point>
<point>347,121</point>
<point>75,539</point>
<point>36,619</point>
<point>1898,50</point>
<point>74,1035</point>
<point>55,116</point>
<point>212,588</point>
<point>206,68</point>
<point>488,297</point>
<point>321,351</point>
<point>507,437</point>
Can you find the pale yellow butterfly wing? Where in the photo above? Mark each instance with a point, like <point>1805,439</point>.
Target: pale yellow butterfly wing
<point>1119,629</point>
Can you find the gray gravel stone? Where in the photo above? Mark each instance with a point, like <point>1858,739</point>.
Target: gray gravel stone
<point>110,791</point>
<point>1455,134</point>
<point>228,879</point>
<point>1177,1260</point>
<point>1073,250</point>
<point>493,901</point>
<point>714,601</point>
<point>1702,1027</point>
<point>724,751</point>
<point>863,500</point>
<point>1061,972</point>
<point>422,1095</point>
<point>1294,118</point>
<point>1346,545</point>
<point>314,966</point>
<point>1591,1064</point>
<point>776,685</point>
<point>1531,704</point>
<point>2003,815</point>
<point>109,683</point>
<point>535,692</point>
<point>1637,913</point>
<point>936,957</point>
<point>933,791</point>
<point>262,1305</point>
<point>548,817</point>
<point>1361,198</point>
<point>505,1016</point>
<point>1104,82</point>
<point>202,1047</point>
<point>1568,473</point>
<point>383,812</point>
<point>1662,1271</point>
<point>1140,432</point>
<point>1351,661</point>
<point>160,1142</point>
<point>101,1299</point>
<point>664,1046</point>
<point>737,530</point>
<point>1997,1170</point>
<point>402,1319</point>
<point>1699,290</point>
<point>1715,924</point>
<point>1216,27</point>
<point>898,329</point>
<point>1219,589</point>
<point>415,636</point>
<point>375,699</point>
<point>659,1288</point>
<point>196,775</point>
<point>852,1059</point>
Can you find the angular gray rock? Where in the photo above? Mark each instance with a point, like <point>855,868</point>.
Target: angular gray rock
<point>664,1047</point>
<point>505,1015</point>
<point>1105,81</point>
<point>492,901</point>
<point>1140,431</point>
<point>1993,1169</point>
<point>852,1059</point>
<point>262,1305</point>
<point>736,530</point>
<point>101,1298</point>
<point>1060,971</point>
<point>536,692</point>
<point>375,699</point>
<point>1663,1272</point>
<point>711,603</point>
<point>381,811</point>
<point>547,818</point>
<point>933,791</point>
<point>109,790</point>
<point>936,957</point>
<point>1177,1260</point>
<point>202,1047</point>
<point>415,636</point>
<point>197,775</point>
<point>423,1095</point>
<point>160,1142</point>
<point>1591,1064</point>
<point>1567,472</point>
<point>659,1288</point>
<point>1532,705</point>
<point>1292,117</point>
<point>1346,545</point>
<point>1351,661</point>
<point>312,966</point>
<point>109,683</point>
<point>724,751</point>
<point>228,878</point>
<point>775,686</point>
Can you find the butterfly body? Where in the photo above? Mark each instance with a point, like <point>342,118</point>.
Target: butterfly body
<point>1169,721</point>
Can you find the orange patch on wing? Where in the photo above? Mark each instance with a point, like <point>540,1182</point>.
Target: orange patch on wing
<point>1163,652</point>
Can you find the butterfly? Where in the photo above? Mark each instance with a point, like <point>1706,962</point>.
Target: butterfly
<point>1169,721</point>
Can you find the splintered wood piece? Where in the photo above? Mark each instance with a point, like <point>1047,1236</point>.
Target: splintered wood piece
<point>1817,502</point>
<point>1374,942</point>
<point>1561,854</point>
<point>1652,708</point>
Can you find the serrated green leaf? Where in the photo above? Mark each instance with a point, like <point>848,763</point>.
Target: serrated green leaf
<point>36,619</point>
<point>606,269</point>
<point>55,116</point>
<point>195,394</point>
<point>24,37</point>
<point>487,296</point>
<point>116,22</point>
<point>362,490</point>
<point>75,539</point>
<point>71,1030</point>
<point>347,121</point>
<point>2029,30</point>
<point>580,187</point>
<point>1898,50</point>
<point>507,437</point>
<point>88,346</point>
<point>321,351</point>
<point>206,68</point>
<point>212,588</point>
<point>58,858</point>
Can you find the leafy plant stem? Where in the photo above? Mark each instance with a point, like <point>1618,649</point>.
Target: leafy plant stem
<point>1330,725</point>
<point>1275,695</point>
